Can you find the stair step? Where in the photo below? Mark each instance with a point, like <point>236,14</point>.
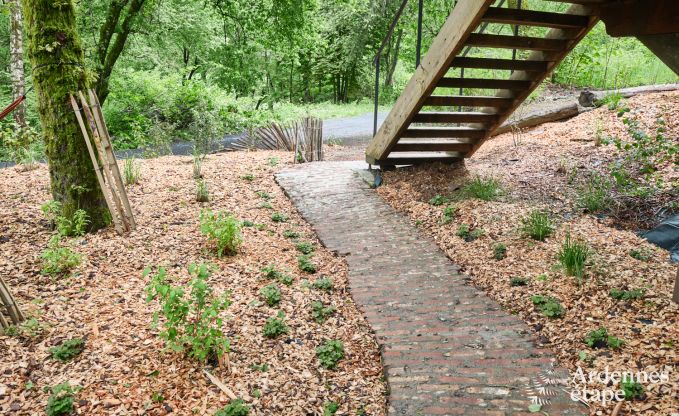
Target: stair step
<point>516,42</point>
<point>416,158</point>
<point>444,132</point>
<point>534,18</point>
<point>494,84</point>
<point>468,101</point>
<point>455,117</point>
<point>508,64</point>
<point>440,145</point>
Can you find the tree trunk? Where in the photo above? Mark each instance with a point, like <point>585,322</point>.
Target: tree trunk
<point>58,70</point>
<point>16,65</point>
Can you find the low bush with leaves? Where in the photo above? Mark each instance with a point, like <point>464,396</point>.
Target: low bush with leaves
<point>131,172</point>
<point>270,272</point>
<point>59,260</point>
<point>29,329</point>
<point>75,226</point>
<point>304,263</point>
<point>68,350</point>
<point>202,193</point>
<point>61,400</point>
<point>271,294</point>
<point>235,408</point>
<point>449,214</point>
<point>305,247</point>
<point>191,320</point>
<point>464,232</point>
<point>626,294</point>
<point>549,306</point>
<point>330,353</point>
<point>632,389</point>
<point>518,281</point>
<point>324,283</point>
<point>573,256</point>
<point>291,234</point>
<point>330,409</point>
<point>275,326</point>
<point>320,312</point>
<point>600,338</point>
<point>486,189</point>
<point>537,225</point>
<point>279,217</point>
<point>439,200</point>
<point>499,251</point>
<point>594,195</point>
<point>641,255</point>
<point>248,177</point>
<point>221,229</point>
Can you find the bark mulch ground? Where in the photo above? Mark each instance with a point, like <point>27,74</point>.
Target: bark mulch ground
<point>124,368</point>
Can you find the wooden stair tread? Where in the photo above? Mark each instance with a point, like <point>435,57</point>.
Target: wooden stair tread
<point>516,42</point>
<point>444,132</point>
<point>480,83</point>
<point>454,117</point>
<point>534,18</point>
<point>506,64</point>
<point>443,145</point>
<point>468,101</point>
<point>414,158</point>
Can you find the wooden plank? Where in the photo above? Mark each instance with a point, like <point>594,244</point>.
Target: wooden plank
<point>441,132</point>
<point>534,18</point>
<point>479,83</point>
<point>641,17</point>
<point>505,64</point>
<point>468,101</point>
<point>10,303</point>
<point>485,40</point>
<point>416,158</point>
<point>459,117</point>
<point>442,145</point>
<point>447,44</point>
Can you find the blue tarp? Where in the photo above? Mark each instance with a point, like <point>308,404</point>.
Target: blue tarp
<point>666,235</point>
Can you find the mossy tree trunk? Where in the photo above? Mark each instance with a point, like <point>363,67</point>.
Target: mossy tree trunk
<point>56,54</point>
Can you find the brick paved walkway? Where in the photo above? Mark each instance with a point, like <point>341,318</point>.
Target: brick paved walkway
<point>448,349</point>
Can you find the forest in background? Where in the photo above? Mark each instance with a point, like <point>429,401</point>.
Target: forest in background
<point>193,69</point>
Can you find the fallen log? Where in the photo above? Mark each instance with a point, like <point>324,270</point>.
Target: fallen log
<point>540,117</point>
<point>593,98</point>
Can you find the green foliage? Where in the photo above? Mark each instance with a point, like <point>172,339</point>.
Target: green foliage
<point>57,259</point>
<point>518,281</point>
<point>279,217</point>
<point>202,193</point>
<point>537,225</point>
<point>131,172</point>
<point>21,145</point>
<point>61,400</point>
<point>464,232</point>
<point>263,195</point>
<point>75,226</point>
<point>305,247</point>
<point>594,195</point>
<point>292,234</point>
<point>641,255</point>
<point>249,177</point>
<point>68,350</point>
<point>626,294</point>
<point>449,213</point>
<point>600,338</point>
<point>632,389</point>
<point>330,353</point>
<point>329,409</point>
<point>197,166</point>
<point>439,200</point>
<point>275,326</point>
<point>271,294</point>
<point>549,306</point>
<point>499,251</point>
<point>304,263</point>
<point>191,321</point>
<point>29,329</point>
<point>235,408</point>
<point>573,256</point>
<point>221,229</point>
<point>324,283</point>
<point>486,189</point>
<point>649,151</point>
<point>320,312</point>
<point>272,161</point>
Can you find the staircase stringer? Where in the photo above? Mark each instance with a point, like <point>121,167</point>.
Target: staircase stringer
<point>448,43</point>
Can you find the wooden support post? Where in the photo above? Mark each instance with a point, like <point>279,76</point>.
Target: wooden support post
<point>11,305</point>
<point>675,297</point>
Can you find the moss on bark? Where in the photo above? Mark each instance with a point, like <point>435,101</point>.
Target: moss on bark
<point>58,61</point>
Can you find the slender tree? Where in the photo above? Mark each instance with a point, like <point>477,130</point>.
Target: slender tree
<point>16,63</point>
<point>56,54</point>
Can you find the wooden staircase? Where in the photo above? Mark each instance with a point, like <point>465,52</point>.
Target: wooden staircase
<point>413,133</point>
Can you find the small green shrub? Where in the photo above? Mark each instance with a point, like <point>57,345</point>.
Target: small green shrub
<point>304,263</point>
<point>464,232</point>
<point>449,214</point>
<point>68,350</point>
<point>518,281</point>
<point>266,205</point>
<point>330,408</point>
<point>549,306</point>
<point>321,313</point>
<point>61,400</point>
<point>221,229</point>
<point>573,256</point>
<point>76,226</point>
<point>272,161</point>
<point>330,354</point>
<point>58,260</point>
<point>275,326</point>
<point>486,189</point>
<point>537,225</point>
<point>632,389</point>
<point>499,251</point>
<point>131,172</point>
<point>248,177</point>
<point>305,247</point>
<point>202,193</point>
<point>247,224</point>
<point>626,294</point>
<point>600,338</point>
<point>235,408</point>
<point>271,294</point>
<point>51,210</point>
<point>197,166</point>
<point>192,323</point>
<point>641,255</point>
<point>279,217</point>
<point>594,195</point>
<point>325,284</point>
<point>292,234</point>
<point>29,329</point>
<point>439,200</point>
<point>265,196</point>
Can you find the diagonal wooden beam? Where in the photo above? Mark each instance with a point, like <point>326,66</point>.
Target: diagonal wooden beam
<point>447,44</point>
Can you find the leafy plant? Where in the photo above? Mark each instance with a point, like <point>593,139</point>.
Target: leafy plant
<point>30,328</point>
<point>264,195</point>
<point>573,256</point>
<point>275,326</point>
<point>330,353</point>
<point>632,389</point>
<point>61,399</point>
<point>192,323</point>
<point>549,306</point>
<point>248,177</point>
<point>68,350</point>
<point>518,281</point>
<point>202,194</point>
<point>486,189</point>
<point>499,251</point>
<point>305,247</point>
<point>324,283</point>
<point>59,260</point>
<point>320,312</point>
<point>75,226</point>
<point>439,200</point>
<point>641,255</point>
<point>292,234</point>
<point>131,172</point>
<point>271,294</point>
<point>272,161</point>
<point>266,205</point>
<point>222,229</point>
<point>537,225</point>
<point>463,231</point>
<point>304,263</point>
<point>235,408</point>
<point>626,294</point>
<point>279,217</point>
<point>594,195</point>
<point>449,213</point>
<point>270,272</point>
<point>600,338</point>
<point>329,409</point>
<point>247,224</point>
<point>51,210</point>
<point>197,166</point>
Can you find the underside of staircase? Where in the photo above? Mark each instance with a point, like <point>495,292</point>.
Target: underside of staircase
<point>431,122</point>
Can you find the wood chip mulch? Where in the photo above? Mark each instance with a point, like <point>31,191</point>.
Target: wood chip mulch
<point>124,366</point>
<point>532,175</point>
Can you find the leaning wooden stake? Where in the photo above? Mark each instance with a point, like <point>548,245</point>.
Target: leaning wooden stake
<point>11,305</point>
